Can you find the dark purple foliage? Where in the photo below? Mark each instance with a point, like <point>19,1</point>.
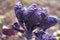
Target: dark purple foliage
<point>18,6</point>
<point>41,35</point>
<point>32,8</point>
<point>16,26</point>
<point>33,17</point>
<point>50,21</point>
<point>19,11</point>
<point>8,32</point>
<point>48,37</point>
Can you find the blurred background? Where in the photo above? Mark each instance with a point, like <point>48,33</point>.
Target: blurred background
<point>7,15</point>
